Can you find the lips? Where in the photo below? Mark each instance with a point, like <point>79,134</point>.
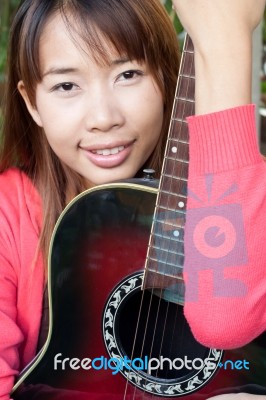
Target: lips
<point>109,156</point>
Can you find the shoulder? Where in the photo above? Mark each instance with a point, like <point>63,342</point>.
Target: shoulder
<point>13,178</point>
<point>19,197</point>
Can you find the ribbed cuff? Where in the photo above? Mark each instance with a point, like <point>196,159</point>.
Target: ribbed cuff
<point>224,140</point>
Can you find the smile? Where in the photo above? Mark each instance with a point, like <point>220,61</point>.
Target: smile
<point>108,152</point>
<point>109,157</point>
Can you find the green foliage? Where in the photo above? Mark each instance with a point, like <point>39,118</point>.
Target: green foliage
<point>171,12</point>
<point>263,87</point>
<point>264,28</point>
<point>7,8</point>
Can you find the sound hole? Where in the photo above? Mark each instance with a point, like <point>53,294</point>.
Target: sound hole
<point>162,333</point>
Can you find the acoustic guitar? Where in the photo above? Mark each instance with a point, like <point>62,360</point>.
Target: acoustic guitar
<point>117,329</point>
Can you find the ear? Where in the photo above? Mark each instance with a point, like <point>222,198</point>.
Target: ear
<point>32,109</point>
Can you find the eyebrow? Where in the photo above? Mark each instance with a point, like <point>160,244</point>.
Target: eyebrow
<point>68,70</point>
<point>59,71</point>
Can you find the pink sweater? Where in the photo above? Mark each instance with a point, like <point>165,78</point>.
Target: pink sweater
<point>226,280</point>
<point>21,283</point>
<point>223,145</point>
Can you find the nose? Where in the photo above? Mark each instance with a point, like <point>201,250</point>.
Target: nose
<point>104,111</point>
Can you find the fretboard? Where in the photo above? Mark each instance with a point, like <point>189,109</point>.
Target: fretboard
<point>165,256</point>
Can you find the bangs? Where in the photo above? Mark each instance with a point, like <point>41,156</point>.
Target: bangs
<point>103,26</point>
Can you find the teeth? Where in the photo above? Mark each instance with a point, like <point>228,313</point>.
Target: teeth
<point>108,152</point>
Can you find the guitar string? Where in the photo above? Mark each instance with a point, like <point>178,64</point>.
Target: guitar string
<point>141,306</point>
<point>179,140</point>
<point>168,144</point>
<point>167,239</point>
<point>181,168</point>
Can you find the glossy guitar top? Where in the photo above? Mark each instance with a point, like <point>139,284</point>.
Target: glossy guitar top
<point>99,312</point>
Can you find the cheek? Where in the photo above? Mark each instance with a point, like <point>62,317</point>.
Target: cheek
<point>154,114</point>
<point>57,128</point>
<point>56,122</point>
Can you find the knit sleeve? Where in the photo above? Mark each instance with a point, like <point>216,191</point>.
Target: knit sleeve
<point>10,334</point>
<point>21,280</point>
<point>225,254</point>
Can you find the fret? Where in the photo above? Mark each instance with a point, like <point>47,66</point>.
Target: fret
<point>186,89</point>
<point>184,98</point>
<point>187,67</point>
<point>182,141</point>
<point>172,202</point>
<point>179,150</point>
<point>168,237</point>
<point>180,161</point>
<point>182,108</point>
<point>178,130</point>
<point>175,142</point>
<point>167,267</point>
<point>176,119</point>
<point>161,239</point>
<point>161,268</point>
<point>173,254</point>
<point>178,197</point>
<point>175,178</point>
<point>155,250</point>
<point>186,76</point>
<point>176,169</point>
<point>167,231</point>
<point>169,222</point>
<point>167,211</point>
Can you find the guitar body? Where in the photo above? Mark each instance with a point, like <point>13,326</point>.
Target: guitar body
<point>99,311</point>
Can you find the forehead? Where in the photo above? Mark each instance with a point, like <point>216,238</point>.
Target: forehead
<point>63,39</point>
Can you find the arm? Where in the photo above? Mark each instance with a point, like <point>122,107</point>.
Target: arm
<point>221,32</point>
<point>10,334</point>
<point>225,301</point>
<point>21,281</point>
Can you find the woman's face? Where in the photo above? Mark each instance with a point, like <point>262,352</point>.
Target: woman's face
<point>103,121</point>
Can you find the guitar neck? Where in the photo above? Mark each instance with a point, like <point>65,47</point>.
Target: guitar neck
<point>165,257</point>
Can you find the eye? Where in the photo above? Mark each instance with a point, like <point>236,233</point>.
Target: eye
<point>65,87</point>
<point>130,74</point>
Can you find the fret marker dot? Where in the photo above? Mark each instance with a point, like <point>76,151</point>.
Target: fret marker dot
<point>176,233</point>
<point>174,149</point>
<point>181,204</point>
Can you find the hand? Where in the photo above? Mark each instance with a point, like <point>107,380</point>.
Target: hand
<point>219,18</point>
<point>238,396</point>
<point>221,31</point>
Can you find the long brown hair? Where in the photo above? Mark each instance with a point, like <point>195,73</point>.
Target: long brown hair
<point>141,29</point>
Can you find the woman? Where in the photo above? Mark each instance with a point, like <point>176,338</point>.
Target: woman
<point>89,95</point>
<point>82,79</point>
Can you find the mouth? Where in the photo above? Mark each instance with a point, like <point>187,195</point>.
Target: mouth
<point>108,156</point>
